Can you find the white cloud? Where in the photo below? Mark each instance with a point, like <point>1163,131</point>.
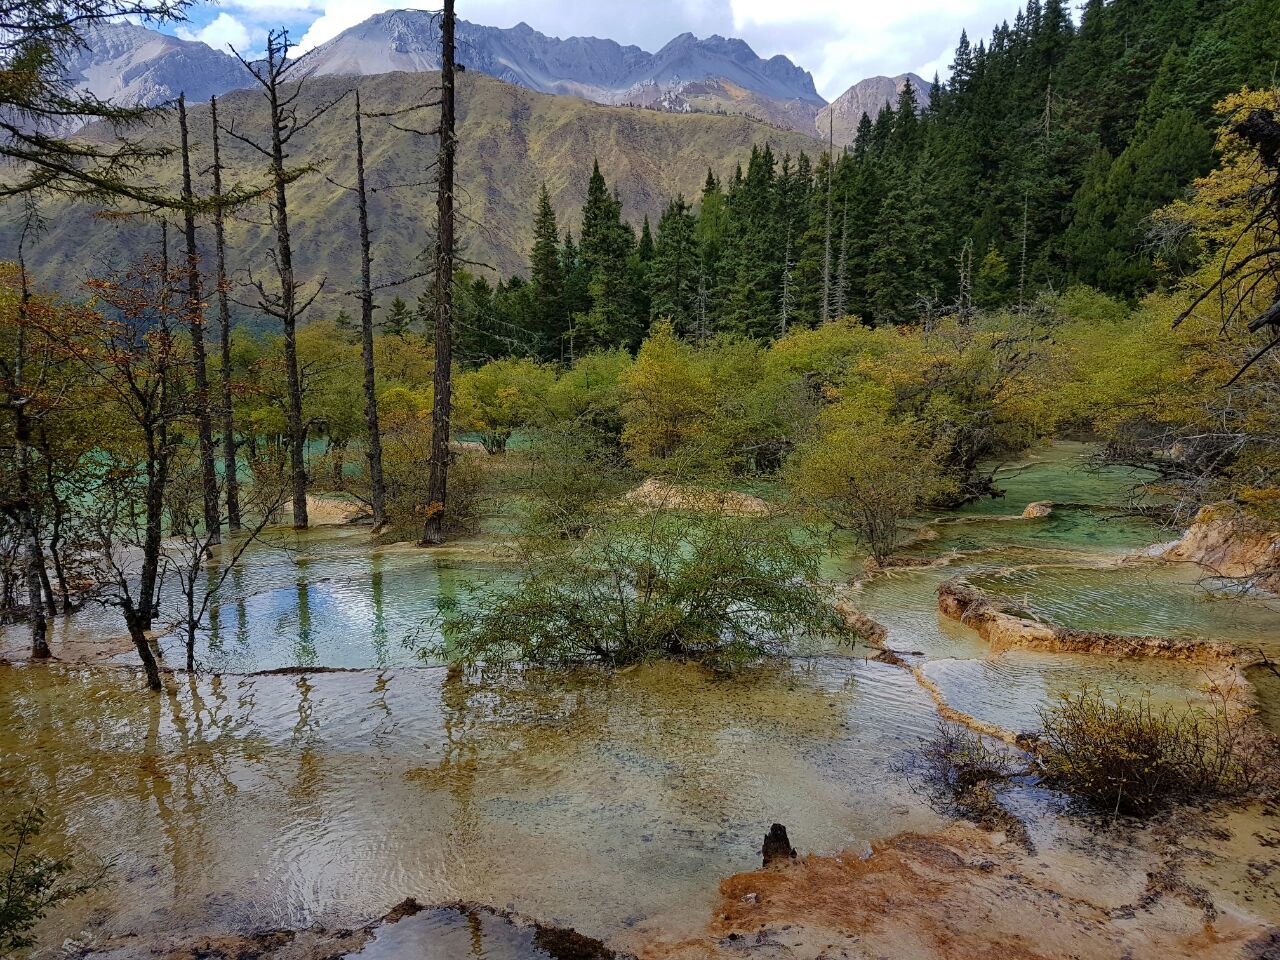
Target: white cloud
<point>842,41</point>
<point>341,15</point>
<point>221,31</point>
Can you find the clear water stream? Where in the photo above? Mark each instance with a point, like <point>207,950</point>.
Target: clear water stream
<point>608,802</point>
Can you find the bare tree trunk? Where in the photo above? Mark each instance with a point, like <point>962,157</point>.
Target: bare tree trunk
<point>46,587</point>
<point>195,322</point>
<point>826,255</point>
<point>57,518</point>
<point>230,478</point>
<point>26,513</point>
<point>39,622</point>
<point>441,409</point>
<point>379,490</point>
<point>289,297</point>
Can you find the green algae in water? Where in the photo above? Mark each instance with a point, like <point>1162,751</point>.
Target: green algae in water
<point>1061,472</point>
<point>1143,599</point>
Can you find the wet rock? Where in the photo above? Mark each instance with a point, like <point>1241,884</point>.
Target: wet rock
<point>964,602</point>
<point>1038,510</point>
<point>568,944</point>
<point>868,630</point>
<point>777,846</point>
<point>891,657</point>
<point>1265,947</point>
<point>1229,543</point>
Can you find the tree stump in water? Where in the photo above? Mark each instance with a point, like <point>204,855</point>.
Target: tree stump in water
<point>777,847</point>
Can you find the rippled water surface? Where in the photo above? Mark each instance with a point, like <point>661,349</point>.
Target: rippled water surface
<point>590,799</point>
<point>609,802</point>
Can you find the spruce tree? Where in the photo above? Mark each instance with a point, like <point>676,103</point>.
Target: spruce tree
<point>548,320</point>
<point>674,277</point>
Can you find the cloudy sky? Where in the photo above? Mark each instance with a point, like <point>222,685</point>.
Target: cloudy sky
<point>839,41</point>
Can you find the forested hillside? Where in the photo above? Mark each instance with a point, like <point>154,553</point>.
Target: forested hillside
<point>1037,165</point>
<point>511,141</point>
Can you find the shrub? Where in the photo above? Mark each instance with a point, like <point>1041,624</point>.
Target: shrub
<point>866,473</point>
<point>30,884</point>
<point>406,451</point>
<point>642,585</point>
<point>1133,758</point>
<point>960,771</point>
<point>500,397</point>
<point>569,473</point>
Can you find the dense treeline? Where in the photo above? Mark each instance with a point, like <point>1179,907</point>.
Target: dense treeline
<point>1036,165</point>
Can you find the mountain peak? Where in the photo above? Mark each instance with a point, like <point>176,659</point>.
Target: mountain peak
<point>136,65</point>
<point>867,96</point>
<point>131,64</point>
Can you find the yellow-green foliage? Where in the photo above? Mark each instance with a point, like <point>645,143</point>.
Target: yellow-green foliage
<point>668,399</point>
<point>590,392</point>
<point>865,471</point>
<point>1159,381</point>
<point>497,399</point>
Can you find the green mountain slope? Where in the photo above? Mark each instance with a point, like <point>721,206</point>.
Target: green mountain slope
<point>511,140</point>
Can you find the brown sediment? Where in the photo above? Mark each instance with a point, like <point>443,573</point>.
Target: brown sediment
<point>1038,510</point>
<point>1228,543</point>
<point>330,511</point>
<point>957,895</point>
<point>659,495</point>
<point>971,606</point>
<point>78,649</point>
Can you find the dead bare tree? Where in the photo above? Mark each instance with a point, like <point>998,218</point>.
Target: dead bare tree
<point>231,479</point>
<point>20,392</point>
<point>195,325</point>
<point>441,409</point>
<point>378,494</point>
<point>282,81</point>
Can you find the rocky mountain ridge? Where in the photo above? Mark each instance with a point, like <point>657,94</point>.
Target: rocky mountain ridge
<point>136,65</point>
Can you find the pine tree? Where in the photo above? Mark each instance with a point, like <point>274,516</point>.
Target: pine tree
<point>674,277</point>
<point>605,249</point>
<point>549,319</point>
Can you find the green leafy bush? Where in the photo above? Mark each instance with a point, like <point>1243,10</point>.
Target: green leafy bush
<point>645,584</point>
<point>30,883</point>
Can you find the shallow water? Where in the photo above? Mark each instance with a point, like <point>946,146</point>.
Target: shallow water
<point>448,933</point>
<point>609,802</point>
<point>588,799</point>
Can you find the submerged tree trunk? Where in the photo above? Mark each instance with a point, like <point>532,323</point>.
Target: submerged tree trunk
<point>441,410</point>
<point>39,622</point>
<point>230,478</point>
<point>195,323</point>
<point>26,510</point>
<point>379,490</point>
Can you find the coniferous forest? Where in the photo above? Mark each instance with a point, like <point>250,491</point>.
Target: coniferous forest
<point>911,505</point>
<point>1036,166</point>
